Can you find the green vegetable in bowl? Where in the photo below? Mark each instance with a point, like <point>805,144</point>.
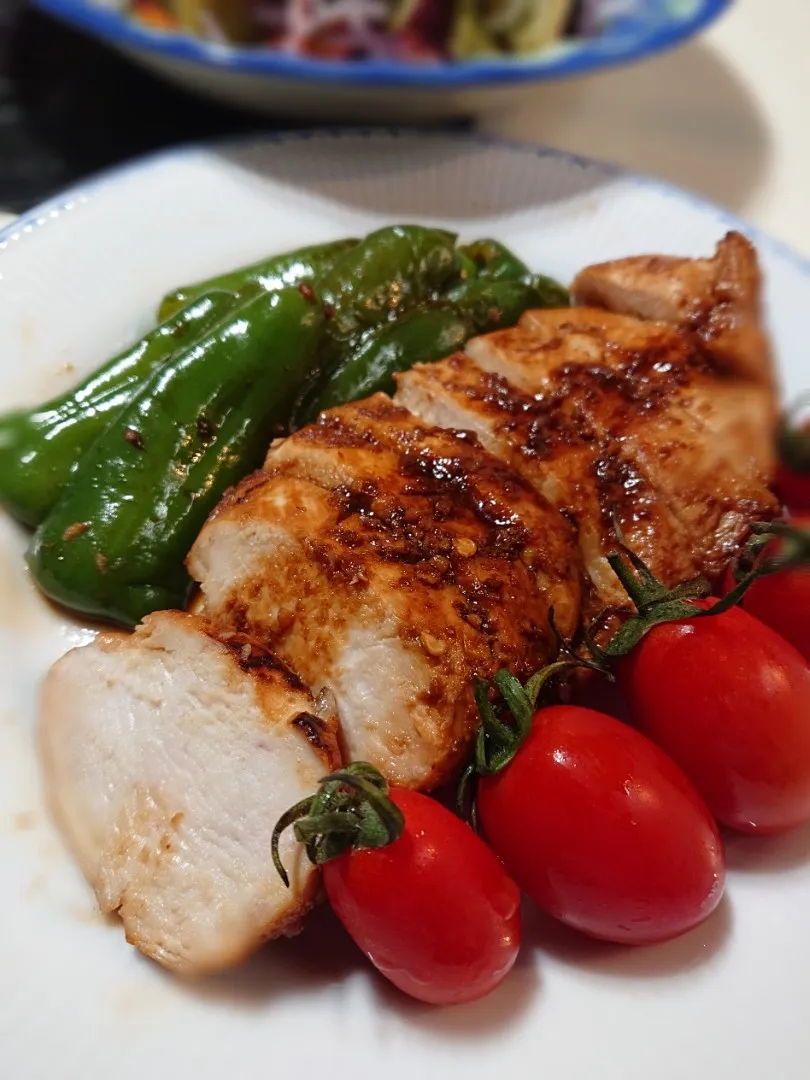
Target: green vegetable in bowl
<point>40,447</point>
<point>114,545</point>
<point>486,27</point>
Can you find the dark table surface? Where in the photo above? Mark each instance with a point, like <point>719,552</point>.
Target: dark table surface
<point>69,107</point>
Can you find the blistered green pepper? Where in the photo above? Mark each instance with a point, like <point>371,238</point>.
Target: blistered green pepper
<point>421,336</point>
<point>418,337</point>
<point>40,447</point>
<point>508,298</point>
<point>270,274</point>
<point>495,262</point>
<point>114,545</point>
<point>392,270</point>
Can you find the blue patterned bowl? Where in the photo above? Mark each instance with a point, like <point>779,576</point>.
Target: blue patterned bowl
<point>381,89</point>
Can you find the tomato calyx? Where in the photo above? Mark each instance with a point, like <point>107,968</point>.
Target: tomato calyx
<point>656,604</point>
<point>793,439</point>
<point>793,551</point>
<point>653,601</point>
<point>350,811</point>
<point>498,738</point>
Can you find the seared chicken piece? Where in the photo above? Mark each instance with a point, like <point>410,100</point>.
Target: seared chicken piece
<point>614,419</point>
<point>169,755</point>
<point>581,470</point>
<point>718,299</point>
<point>391,563</point>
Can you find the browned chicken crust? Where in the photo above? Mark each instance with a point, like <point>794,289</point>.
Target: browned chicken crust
<point>370,531</point>
<point>617,422</point>
<point>390,552</point>
<point>719,300</point>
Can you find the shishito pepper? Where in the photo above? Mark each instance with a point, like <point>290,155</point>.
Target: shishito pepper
<point>270,274</point>
<point>418,337</point>
<point>421,336</point>
<point>114,545</point>
<point>495,262</point>
<point>393,269</point>
<point>40,447</point>
<point>493,304</point>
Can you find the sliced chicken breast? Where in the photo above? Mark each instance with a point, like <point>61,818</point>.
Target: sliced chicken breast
<point>613,418</point>
<point>718,299</point>
<point>169,755</point>
<point>391,563</point>
<point>579,467</point>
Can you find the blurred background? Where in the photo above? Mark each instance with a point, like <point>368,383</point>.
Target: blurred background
<point>722,114</point>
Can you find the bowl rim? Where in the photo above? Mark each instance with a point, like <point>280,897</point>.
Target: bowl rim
<point>630,38</point>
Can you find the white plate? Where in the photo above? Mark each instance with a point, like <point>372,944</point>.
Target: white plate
<point>78,278</point>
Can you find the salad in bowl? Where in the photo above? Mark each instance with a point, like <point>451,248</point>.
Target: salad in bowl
<point>391,60</point>
<point>358,29</point>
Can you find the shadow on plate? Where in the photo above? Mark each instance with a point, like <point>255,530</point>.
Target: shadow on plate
<point>447,182</point>
<point>500,1010</point>
<point>321,955</point>
<point>686,116</point>
<point>324,955</point>
<point>698,947</point>
<point>768,854</point>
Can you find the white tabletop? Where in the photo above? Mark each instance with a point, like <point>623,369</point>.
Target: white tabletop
<point>727,115</point>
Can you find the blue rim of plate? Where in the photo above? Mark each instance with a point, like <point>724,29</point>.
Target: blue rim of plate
<point>81,191</point>
<point>654,25</point>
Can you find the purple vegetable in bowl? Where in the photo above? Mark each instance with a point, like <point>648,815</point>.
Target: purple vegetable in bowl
<point>358,29</point>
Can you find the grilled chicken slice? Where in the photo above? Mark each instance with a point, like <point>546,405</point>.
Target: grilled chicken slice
<point>614,420</point>
<point>717,299</point>
<point>169,755</point>
<point>581,470</point>
<point>391,562</point>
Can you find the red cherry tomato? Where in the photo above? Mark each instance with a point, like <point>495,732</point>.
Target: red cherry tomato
<point>782,601</point>
<point>793,488</point>
<point>793,471</point>
<point>602,830</point>
<point>729,700</point>
<point>434,911</point>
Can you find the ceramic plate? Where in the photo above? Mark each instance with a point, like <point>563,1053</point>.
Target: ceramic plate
<point>78,278</point>
<point>270,80</point>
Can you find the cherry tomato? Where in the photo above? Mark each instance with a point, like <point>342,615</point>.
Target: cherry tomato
<point>793,471</point>
<point>602,830</point>
<point>793,488</point>
<point>782,601</point>
<point>434,911</point>
<point>729,700</point>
